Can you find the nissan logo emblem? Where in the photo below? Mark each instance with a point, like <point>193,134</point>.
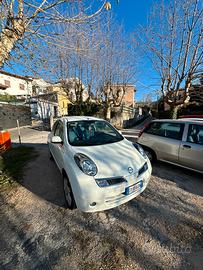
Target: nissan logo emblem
<point>130,170</point>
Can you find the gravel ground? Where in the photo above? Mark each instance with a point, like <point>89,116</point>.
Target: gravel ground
<point>160,229</point>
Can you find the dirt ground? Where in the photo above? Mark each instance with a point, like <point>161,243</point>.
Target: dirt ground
<point>160,229</point>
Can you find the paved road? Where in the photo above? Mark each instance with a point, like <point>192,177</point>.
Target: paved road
<point>29,135</point>
<point>132,133</point>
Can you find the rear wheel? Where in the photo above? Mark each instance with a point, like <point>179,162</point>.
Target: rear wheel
<point>68,194</point>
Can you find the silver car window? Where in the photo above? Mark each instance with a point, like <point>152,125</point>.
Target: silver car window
<point>166,129</point>
<point>195,134</point>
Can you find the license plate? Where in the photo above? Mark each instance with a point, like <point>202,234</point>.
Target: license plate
<point>134,188</point>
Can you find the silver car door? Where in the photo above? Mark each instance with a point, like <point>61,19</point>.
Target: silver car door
<point>165,139</point>
<point>191,150</point>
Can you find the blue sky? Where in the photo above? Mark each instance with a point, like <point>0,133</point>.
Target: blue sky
<point>131,13</point>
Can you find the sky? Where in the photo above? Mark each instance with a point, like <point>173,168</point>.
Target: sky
<point>131,13</point>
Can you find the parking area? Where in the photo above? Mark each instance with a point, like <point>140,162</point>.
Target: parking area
<point>160,229</point>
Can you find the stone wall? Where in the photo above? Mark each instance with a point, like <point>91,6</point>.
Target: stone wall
<point>121,117</point>
<point>10,113</point>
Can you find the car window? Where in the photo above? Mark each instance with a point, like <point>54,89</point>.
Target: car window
<point>166,129</point>
<point>59,130</point>
<point>195,134</point>
<point>92,132</point>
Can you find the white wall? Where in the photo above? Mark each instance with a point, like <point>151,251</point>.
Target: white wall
<point>43,109</point>
<point>14,88</point>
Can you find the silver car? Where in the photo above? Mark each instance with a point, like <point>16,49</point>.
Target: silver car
<point>179,142</point>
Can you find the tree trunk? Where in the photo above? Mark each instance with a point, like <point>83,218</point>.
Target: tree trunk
<point>107,115</point>
<point>9,38</point>
<point>174,112</point>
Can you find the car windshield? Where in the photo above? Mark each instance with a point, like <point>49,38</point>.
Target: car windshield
<point>94,132</point>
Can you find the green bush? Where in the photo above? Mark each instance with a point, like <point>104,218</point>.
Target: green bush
<point>7,98</point>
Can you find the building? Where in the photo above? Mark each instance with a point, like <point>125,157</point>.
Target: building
<point>125,92</point>
<point>40,86</point>
<point>15,85</point>
<point>53,103</point>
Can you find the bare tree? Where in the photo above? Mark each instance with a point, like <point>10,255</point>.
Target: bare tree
<point>21,20</point>
<point>173,42</point>
<point>115,65</point>
<point>101,58</point>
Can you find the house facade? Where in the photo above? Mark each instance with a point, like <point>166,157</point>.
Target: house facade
<point>15,85</point>
<point>53,103</point>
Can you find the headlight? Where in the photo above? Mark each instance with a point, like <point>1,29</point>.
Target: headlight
<point>140,149</point>
<point>86,164</point>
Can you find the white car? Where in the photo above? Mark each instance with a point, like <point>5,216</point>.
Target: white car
<point>100,168</point>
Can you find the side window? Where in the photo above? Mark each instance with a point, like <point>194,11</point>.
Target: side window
<point>153,128</point>
<point>168,130</point>
<point>195,134</point>
<point>59,130</point>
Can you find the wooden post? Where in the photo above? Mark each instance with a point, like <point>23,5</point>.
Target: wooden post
<point>18,126</point>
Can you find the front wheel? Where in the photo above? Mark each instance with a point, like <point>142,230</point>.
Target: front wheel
<point>50,155</point>
<point>150,154</point>
<point>68,194</point>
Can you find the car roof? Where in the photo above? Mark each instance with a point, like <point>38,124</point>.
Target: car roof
<point>182,120</point>
<point>79,118</point>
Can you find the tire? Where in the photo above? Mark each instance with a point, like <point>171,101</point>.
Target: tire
<point>68,194</point>
<point>150,154</point>
<point>50,155</point>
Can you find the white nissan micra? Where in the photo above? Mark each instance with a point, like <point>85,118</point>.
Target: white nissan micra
<point>100,168</point>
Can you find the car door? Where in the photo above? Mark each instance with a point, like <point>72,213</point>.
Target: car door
<point>191,150</point>
<point>165,139</point>
<point>58,148</point>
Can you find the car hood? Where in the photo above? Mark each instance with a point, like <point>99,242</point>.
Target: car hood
<point>113,159</point>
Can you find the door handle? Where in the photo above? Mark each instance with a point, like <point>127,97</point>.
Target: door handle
<point>186,146</point>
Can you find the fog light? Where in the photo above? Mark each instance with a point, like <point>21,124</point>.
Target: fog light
<point>93,204</point>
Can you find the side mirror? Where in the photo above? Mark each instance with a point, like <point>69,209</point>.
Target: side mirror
<point>56,139</point>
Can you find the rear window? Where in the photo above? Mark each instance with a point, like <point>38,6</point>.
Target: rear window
<point>166,129</point>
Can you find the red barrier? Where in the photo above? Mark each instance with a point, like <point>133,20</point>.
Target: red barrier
<point>5,141</point>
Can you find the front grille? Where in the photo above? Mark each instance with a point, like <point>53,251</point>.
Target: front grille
<point>114,181</point>
<point>104,182</point>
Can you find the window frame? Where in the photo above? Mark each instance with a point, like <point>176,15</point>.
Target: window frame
<point>22,86</point>
<point>7,83</point>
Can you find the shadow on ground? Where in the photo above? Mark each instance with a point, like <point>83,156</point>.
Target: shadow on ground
<point>186,179</point>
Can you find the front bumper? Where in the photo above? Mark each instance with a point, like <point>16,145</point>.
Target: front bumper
<point>99,199</point>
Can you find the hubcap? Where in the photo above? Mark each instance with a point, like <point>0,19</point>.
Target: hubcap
<point>67,191</point>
